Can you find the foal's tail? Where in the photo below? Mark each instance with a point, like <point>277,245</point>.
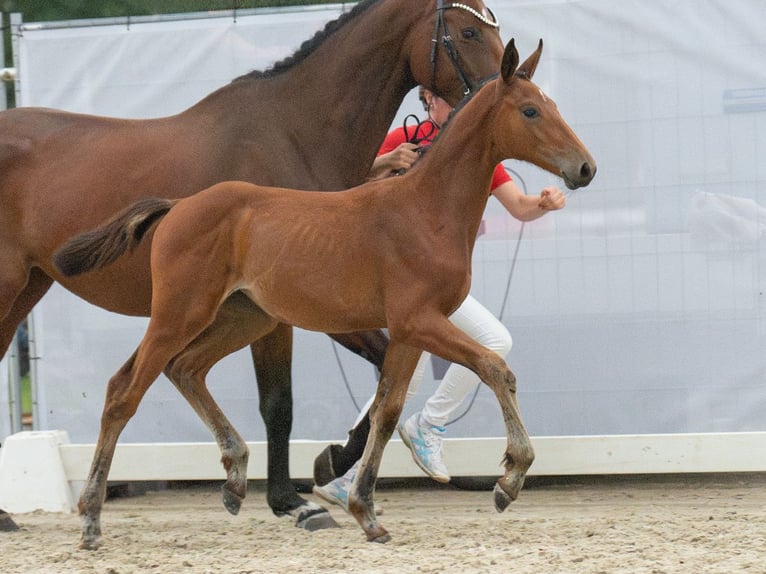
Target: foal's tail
<point>99,247</point>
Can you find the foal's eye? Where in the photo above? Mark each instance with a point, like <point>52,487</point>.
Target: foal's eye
<point>530,112</point>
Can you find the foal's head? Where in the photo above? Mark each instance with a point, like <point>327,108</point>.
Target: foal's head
<point>529,127</point>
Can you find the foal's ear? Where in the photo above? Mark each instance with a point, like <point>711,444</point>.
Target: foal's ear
<point>510,61</point>
<point>527,69</point>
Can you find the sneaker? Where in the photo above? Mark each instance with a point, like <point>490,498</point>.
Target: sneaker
<point>425,444</point>
<point>336,491</point>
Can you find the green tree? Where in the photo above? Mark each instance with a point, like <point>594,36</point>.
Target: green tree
<point>46,10</point>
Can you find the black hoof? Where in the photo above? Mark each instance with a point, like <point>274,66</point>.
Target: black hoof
<point>323,469</point>
<point>316,520</point>
<point>6,523</point>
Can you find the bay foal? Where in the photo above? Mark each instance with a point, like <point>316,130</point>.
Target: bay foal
<point>394,253</point>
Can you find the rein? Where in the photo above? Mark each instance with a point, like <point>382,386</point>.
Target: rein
<point>449,43</point>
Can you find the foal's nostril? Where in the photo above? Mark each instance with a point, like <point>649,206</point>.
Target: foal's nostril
<point>585,171</point>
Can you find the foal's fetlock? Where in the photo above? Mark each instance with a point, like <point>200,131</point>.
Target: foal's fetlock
<point>91,533</point>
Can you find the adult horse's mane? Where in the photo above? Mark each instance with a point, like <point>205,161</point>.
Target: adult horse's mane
<point>308,47</point>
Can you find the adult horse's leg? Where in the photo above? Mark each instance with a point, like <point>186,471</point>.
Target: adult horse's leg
<point>6,522</point>
<point>18,295</point>
<point>272,355</point>
<point>336,459</point>
<point>399,365</point>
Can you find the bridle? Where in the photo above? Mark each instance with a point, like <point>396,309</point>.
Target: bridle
<point>449,43</point>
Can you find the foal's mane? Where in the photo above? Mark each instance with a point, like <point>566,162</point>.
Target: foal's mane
<point>460,105</point>
<point>309,45</point>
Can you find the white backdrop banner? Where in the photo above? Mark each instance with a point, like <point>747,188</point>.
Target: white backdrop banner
<point>640,308</point>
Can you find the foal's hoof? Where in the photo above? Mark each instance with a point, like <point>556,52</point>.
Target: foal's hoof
<point>231,500</point>
<point>382,539</point>
<point>90,543</point>
<point>502,500</point>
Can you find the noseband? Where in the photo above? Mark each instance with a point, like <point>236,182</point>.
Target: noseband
<point>449,43</point>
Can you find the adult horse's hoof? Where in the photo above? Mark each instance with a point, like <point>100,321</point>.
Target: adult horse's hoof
<point>231,500</point>
<point>6,522</point>
<point>310,516</point>
<point>324,472</point>
<point>502,500</point>
<point>313,520</point>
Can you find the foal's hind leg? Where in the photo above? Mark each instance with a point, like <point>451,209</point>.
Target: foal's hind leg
<point>123,395</point>
<point>174,324</point>
<point>239,321</point>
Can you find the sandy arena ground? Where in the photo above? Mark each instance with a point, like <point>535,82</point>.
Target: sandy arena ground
<point>712,524</point>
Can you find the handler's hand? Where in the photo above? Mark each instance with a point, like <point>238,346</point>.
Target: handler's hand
<point>398,160</point>
<point>551,199</point>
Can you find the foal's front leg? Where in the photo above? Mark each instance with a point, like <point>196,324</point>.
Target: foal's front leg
<point>335,460</point>
<point>442,338</point>
<point>397,371</point>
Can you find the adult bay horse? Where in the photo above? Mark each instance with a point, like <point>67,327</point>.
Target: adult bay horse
<point>395,253</point>
<point>313,121</point>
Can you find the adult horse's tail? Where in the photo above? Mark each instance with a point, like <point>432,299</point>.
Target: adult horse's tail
<point>99,247</point>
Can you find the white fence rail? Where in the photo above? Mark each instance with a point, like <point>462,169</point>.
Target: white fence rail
<point>40,470</point>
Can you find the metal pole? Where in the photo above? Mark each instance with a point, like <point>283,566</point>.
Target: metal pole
<point>3,94</point>
<point>33,358</point>
<point>14,385</point>
<point>16,21</point>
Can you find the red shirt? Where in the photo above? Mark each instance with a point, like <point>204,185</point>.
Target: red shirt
<point>426,133</point>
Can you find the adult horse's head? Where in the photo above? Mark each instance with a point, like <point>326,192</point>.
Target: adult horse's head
<point>530,127</point>
<point>454,47</point>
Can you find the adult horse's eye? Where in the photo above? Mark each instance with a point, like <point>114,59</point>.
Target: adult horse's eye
<point>470,33</point>
<point>530,112</point>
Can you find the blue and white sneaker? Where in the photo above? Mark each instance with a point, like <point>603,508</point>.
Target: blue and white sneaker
<point>425,443</point>
<point>336,491</point>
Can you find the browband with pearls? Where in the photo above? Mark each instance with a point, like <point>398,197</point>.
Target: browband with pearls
<point>494,23</point>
